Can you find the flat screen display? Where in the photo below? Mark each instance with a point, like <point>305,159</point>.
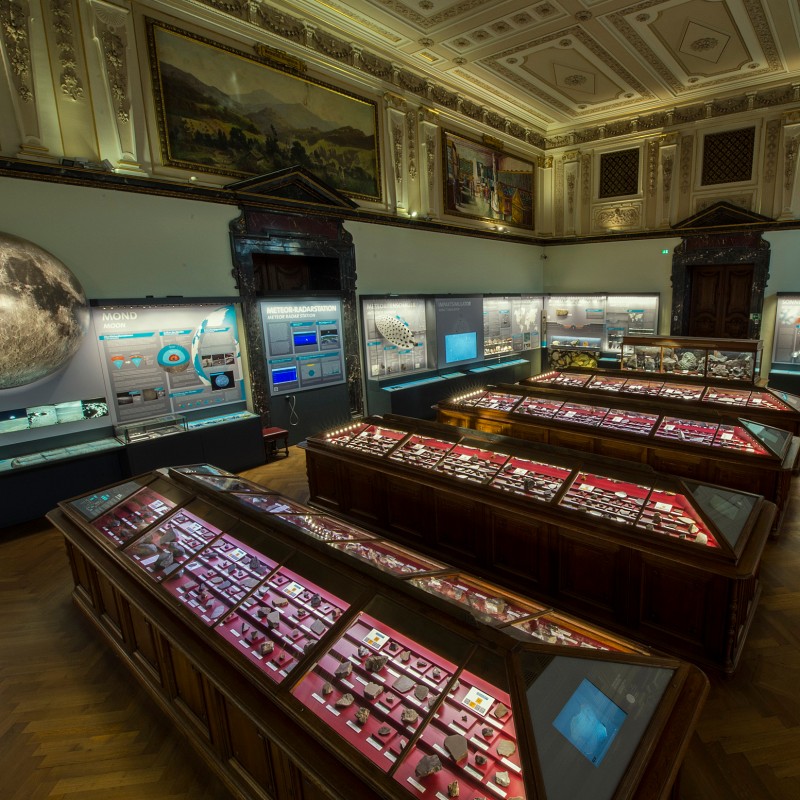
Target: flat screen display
<point>460,346</point>
<point>304,338</point>
<point>590,721</point>
<point>284,375</point>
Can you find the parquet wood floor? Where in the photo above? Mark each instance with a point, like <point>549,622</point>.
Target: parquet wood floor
<point>73,726</point>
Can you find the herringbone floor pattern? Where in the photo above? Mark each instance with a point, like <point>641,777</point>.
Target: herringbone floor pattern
<point>73,726</point>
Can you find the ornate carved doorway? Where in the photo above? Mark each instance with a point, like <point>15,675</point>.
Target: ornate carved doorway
<point>718,279</point>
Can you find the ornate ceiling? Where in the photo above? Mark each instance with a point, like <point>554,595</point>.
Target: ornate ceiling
<point>556,66</point>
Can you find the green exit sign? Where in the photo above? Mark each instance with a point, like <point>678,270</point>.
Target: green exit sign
<point>665,252</point>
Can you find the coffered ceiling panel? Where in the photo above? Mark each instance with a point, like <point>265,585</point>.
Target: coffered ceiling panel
<point>555,65</point>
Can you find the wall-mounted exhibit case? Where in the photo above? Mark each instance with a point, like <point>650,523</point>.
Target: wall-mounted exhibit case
<point>304,657</point>
<point>140,362</point>
<point>744,455</point>
<point>735,360</point>
<point>420,348</point>
<point>670,562</point>
<point>785,370</point>
<point>668,392</point>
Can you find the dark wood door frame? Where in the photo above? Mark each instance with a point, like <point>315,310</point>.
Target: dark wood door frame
<point>723,249</point>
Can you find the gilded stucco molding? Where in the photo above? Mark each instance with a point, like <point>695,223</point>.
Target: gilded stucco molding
<point>558,200</point>
<point>112,35</point>
<point>687,143</point>
<point>430,158</point>
<point>667,164</point>
<point>790,161</point>
<point>771,140</point>
<point>741,200</point>
<point>652,167</point>
<point>571,180</point>
<point>586,178</point>
<point>620,216</point>
<point>64,25</point>
<point>15,22</point>
<point>397,151</point>
<point>411,131</point>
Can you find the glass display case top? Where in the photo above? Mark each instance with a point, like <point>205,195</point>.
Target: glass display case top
<point>775,400</point>
<point>201,469</point>
<point>673,515</point>
<point>775,439</point>
<point>643,388</point>
<point>130,517</point>
<point>588,718</point>
<point>681,391</point>
<point>691,431</point>
<point>482,602</point>
<point>167,547</point>
<point>344,433</point>
<point>269,503</point>
<point>470,743</point>
<point>282,620</point>
<point>324,528</point>
<point>636,422</point>
<point>731,397</point>
<point>228,483</point>
<point>92,505</point>
<point>739,439</point>
<point>154,428</point>
<point>374,687</point>
<point>729,511</point>
<point>609,498</point>
<point>471,463</point>
<point>220,419</point>
<point>219,577</point>
<point>501,401</point>
<point>539,407</point>
<point>421,451</point>
<point>607,383</point>
<point>388,557</point>
<point>556,629</point>
<point>531,479</point>
<point>571,379</point>
<point>581,414</point>
<point>375,439</point>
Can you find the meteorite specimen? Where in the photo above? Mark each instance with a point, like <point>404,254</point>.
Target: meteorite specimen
<point>345,700</point>
<point>375,663</point>
<point>372,690</point>
<point>362,715</point>
<point>502,779</point>
<point>452,789</point>
<point>409,715</point>
<point>421,691</point>
<point>315,601</point>
<point>506,748</point>
<point>327,688</point>
<point>487,732</point>
<point>266,648</point>
<point>436,674</point>
<point>402,684</point>
<point>480,759</point>
<point>405,656</point>
<point>384,730</point>
<point>280,602</point>
<point>363,651</point>
<point>427,765</point>
<point>318,627</point>
<point>344,669</point>
<point>456,745</point>
<point>500,711</point>
<point>273,619</point>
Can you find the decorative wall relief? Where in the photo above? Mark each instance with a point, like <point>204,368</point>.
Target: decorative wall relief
<point>64,24</point>
<point>621,216</point>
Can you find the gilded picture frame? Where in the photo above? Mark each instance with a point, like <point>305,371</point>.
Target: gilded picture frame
<point>222,111</point>
<point>486,183</point>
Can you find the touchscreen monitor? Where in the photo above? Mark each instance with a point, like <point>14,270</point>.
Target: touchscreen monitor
<point>460,346</point>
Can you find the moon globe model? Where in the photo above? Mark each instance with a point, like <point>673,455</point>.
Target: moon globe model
<point>44,314</point>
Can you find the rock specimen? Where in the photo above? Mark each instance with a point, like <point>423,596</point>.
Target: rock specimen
<point>344,669</point>
<point>500,711</point>
<point>436,674</point>
<point>362,715</point>
<point>502,779</point>
<point>452,789</point>
<point>266,648</point>
<point>402,684</point>
<point>427,765</point>
<point>315,601</point>
<point>506,748</point>
<point>375,663</point>
<point>327,688</point>
<point>409,715</point>
<point>318,627</point>
<point>421,691</point>
<point>362,651</point>
<point>273,619</point>
<point>372,690</point>
<point>280,602</point>
<point>456,745</point>
<point>487,732</point>
<point>345,700</point>
<point>384,730</point>
<point>480,759</point>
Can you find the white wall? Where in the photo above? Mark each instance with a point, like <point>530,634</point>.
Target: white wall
<point>124,244</point>
<point>406,261</point>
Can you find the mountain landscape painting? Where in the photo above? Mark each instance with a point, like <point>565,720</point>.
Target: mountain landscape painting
<point>224,112</point>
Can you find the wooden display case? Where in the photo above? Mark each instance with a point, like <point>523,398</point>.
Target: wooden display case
<point>666,392</point>
<point>671,562</point>
<point>304,657</point>
<point>736,360</point>
<point>740,453</point>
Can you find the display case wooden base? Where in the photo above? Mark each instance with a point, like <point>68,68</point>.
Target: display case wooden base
<point>674,595</point>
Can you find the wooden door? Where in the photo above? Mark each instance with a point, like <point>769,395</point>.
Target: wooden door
<point>720,300</point>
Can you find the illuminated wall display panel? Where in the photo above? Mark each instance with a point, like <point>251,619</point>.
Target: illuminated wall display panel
<point>459,330</point>
<point>395,335</point>
<point>304,345</point>
<point>511,324</point>
<point>168,359</point>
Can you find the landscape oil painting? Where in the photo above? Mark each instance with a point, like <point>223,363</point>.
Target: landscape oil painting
<point>222,111</point>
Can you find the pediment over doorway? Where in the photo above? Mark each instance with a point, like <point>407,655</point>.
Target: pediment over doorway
<point>721,215</point>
